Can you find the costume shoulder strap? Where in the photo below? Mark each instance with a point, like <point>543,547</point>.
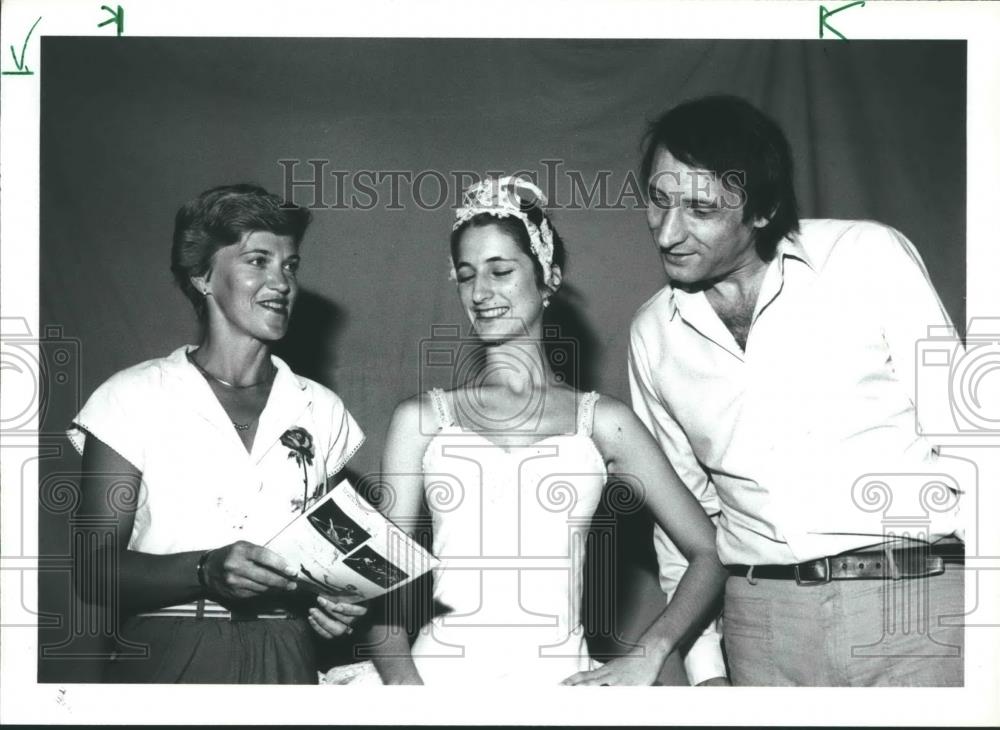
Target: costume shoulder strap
<point>585,413</point>
<point>441,409</point>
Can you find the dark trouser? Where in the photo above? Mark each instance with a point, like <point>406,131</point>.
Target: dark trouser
<point>855,633</point>
<point>218,651</point>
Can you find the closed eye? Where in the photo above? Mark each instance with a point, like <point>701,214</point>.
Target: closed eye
<point>660,200</point>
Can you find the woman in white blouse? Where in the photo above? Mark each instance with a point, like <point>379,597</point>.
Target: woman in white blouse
<point>205,454</point>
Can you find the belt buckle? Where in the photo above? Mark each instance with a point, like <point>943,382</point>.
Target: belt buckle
<point>237,615</point>
<point>931,565</point>
<point>827,574</point>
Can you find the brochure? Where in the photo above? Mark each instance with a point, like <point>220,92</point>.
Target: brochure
<point>347,550</point>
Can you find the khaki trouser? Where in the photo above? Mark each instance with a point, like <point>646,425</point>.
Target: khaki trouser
<point>854,633</point>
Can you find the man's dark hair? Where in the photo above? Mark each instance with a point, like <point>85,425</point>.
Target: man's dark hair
<point>220,217</point>
<point>727,135</point>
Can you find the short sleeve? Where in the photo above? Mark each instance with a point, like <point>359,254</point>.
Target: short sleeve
<point>110,415</point>
<point>346,438</point>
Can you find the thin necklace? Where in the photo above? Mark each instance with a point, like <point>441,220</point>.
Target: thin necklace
<point>226,383</point>
<point>238,426</point>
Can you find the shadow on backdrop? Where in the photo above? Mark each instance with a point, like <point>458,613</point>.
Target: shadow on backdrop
<point>309,347</point>
<point>573,348</point>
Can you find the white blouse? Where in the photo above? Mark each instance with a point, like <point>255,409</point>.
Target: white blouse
<point>200,487</point>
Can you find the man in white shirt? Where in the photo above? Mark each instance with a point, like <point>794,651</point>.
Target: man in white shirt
<point>777,371</point>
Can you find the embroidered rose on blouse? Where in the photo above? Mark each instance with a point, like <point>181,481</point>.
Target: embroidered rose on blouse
<point>300,444</point>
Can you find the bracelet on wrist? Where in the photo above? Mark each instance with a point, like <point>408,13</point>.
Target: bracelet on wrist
<point>201,570</point>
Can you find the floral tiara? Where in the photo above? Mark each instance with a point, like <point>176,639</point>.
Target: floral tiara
<point>504,197</point>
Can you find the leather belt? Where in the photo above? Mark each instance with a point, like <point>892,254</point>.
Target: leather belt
<point>878,564</point>
<point>203,609</point>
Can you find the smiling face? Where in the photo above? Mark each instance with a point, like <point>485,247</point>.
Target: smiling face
<point>498,285</point>
<point>697,224</point>
<point>252,286</point>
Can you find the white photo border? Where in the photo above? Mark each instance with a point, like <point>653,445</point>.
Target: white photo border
<point>25,701</point>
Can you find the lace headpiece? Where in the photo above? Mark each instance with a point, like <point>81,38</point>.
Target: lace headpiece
<point>504,197</point>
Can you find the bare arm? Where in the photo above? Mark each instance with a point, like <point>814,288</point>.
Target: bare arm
<point>633,455</point>
<point>402,477</point>
<point>110,486</point>
<point>703,661</point>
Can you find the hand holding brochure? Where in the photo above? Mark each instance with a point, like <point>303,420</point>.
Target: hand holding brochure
<point>345,549</point>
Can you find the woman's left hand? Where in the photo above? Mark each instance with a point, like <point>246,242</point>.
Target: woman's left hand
<point>636,668</point>
<point>332,619</point>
